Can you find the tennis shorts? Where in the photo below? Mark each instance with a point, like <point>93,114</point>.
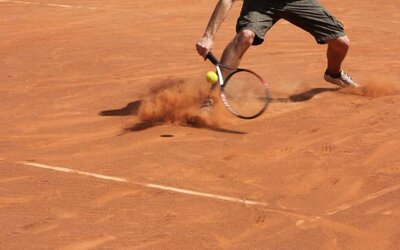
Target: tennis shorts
<point>260,15</point>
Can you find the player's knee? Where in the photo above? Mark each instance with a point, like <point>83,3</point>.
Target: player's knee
<point>345,42</point>
<point>245,38</point>
<point>340,44</point>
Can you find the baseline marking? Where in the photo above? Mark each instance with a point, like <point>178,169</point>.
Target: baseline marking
<point>362,200</point>
<point>352,204</point>
<point>68,170</point>
<point>65,6</point>
<point>280,210</point>
<point>148,185</point>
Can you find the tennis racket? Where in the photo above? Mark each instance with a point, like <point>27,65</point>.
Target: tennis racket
<point>243,92</point>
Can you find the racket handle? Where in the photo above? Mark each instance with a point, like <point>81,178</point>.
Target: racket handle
<point>212,58</point>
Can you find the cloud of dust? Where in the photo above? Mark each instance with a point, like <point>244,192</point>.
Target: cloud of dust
<point>177,101</point>
<point>375,87</point>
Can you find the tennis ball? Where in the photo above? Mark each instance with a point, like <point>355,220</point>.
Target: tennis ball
<point>211,77</point>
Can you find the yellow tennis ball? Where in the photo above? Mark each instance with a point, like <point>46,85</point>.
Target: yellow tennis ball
<point>211,77</point>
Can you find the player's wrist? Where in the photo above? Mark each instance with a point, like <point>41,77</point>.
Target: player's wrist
<point>208,36</point>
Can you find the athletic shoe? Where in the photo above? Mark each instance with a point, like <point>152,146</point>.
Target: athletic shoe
<point>341,79</point>
<point>207,105</point>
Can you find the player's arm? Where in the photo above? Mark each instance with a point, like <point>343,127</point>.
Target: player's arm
<point>205,43</point>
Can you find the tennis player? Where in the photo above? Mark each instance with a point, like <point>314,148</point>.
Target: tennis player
<point>258,16</point>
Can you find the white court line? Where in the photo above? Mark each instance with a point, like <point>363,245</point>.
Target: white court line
<point>60,5</point>
<point>67,170</point>
<point>47,4</point>
<point>351,204</point>
<point>148,185</point>
<point>362,200</point>
<point>213,196</point>
<point>280,210</point>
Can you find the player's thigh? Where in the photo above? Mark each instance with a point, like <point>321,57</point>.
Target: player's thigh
<point>311,16</point>
<point>256,16</point>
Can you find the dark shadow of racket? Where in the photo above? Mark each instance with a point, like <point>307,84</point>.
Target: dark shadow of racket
<point>304,96</point>
<point>140,126</point>
<point>132,109</point>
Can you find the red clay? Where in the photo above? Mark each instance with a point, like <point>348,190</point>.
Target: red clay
<point>112,88</point>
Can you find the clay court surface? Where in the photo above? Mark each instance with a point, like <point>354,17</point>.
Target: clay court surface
<point>103,146</point>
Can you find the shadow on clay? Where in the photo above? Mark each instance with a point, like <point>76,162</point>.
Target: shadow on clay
<point>303,96</point>
<point>143,125</point>
<point>132,108</point>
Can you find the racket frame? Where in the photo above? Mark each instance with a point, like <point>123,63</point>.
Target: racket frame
<point>222,82</point>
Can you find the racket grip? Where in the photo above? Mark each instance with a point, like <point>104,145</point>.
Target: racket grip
<point>212,58</point>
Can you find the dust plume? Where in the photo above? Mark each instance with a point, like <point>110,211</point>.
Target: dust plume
<point>177,101</point>
<point>375,87</point>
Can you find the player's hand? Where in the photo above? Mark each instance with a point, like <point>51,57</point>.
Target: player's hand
<point>204,45</point>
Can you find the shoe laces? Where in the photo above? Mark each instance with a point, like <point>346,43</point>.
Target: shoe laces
<point>346,77</point>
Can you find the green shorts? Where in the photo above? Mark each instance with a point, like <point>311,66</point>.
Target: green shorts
<point>260,15</point>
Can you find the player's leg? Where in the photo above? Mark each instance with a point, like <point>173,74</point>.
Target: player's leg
<point>311,16</point>
<point>336,52</point>
<point>235,50</point>
<point>256,18</point>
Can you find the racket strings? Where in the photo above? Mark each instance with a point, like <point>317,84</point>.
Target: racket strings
<point>245,94</point>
